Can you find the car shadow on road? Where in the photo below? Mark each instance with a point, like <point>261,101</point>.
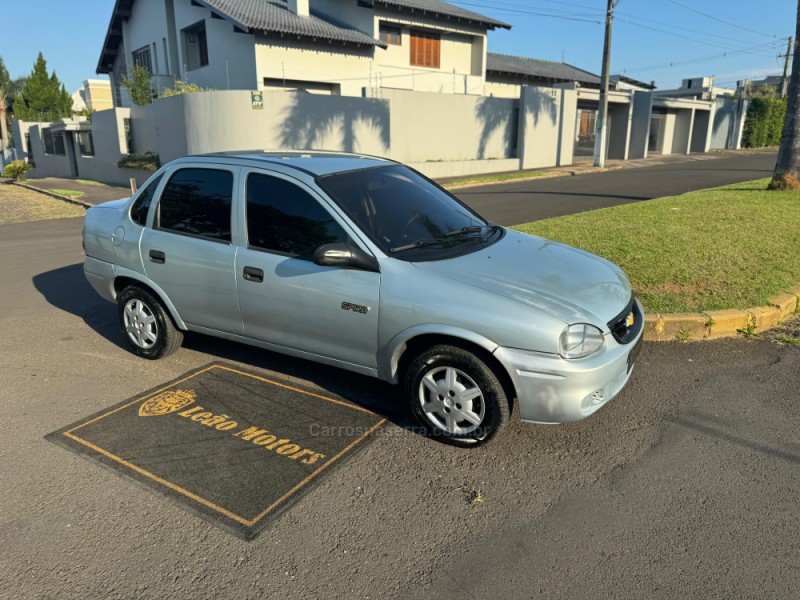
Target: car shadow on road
<point>66,288</point>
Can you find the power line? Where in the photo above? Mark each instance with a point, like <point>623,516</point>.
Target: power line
<point>701,59</point>
<point>711,43</point>
<point>542,12</point>
<point>506,7</point>
<point>681,28</point>
<point>713,18</point>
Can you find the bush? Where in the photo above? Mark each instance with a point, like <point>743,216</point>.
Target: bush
<point>181,87</point>
<point>147,161</point>
<point>764,122</point>
<point>138,86</point>
<point>16,170</point>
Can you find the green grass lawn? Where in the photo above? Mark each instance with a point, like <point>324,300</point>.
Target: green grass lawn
<point>68,193</point>
<point>729,247</point>
<point>91,182</point>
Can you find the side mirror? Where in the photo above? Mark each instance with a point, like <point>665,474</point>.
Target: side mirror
<point>345,255</point>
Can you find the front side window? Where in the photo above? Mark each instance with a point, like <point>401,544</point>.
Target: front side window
<point>407,215</point>
<point>283,218</point>
<point>141,205</point>
<point>197,202</point>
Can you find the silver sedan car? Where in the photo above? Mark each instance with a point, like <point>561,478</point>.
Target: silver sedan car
<point>364,264</point>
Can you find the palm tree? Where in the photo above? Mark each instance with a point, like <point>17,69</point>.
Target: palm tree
<point>787,168</point>
<point>3,124</point>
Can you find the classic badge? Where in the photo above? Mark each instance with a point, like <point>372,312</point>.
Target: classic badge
<point>167,402</point>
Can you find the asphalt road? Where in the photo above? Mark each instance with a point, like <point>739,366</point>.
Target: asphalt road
<point>534,199</point>
<point>686,485</point>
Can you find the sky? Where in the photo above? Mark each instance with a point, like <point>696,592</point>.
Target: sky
<point>661,40</point>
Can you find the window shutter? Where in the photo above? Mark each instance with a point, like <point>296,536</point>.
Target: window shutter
<point>425,49</point>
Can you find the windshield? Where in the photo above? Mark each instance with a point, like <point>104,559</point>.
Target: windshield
<point>404,213</point>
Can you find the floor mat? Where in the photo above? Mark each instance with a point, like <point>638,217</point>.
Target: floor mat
<point>234,447</point>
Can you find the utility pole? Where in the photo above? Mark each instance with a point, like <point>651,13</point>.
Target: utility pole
<point>602,115</point>
<point>785,80</point>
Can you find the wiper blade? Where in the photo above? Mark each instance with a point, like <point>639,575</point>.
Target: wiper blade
<point>464,231</point>
<point>442,239</point>
<point>419,244</point>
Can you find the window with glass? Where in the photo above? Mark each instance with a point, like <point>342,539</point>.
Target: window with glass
<point>141,206</point>
<point>390,34</point>
<point>197,202</point>
<point>128,135</point>
<point>86,143</point>
<point>141,58</point>
<point>406,214</point>
<point>195,43</point>
<point>53,142</point>
<point>283,218</point>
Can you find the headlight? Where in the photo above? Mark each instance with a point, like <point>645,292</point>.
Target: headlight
<point>579,340</point>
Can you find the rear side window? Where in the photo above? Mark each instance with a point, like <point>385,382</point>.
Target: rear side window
<point>197,202</point>
<point>142,204</point>
<point>283,218</point>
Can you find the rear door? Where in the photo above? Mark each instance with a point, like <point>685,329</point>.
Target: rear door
<point>188,250</point>
<point>287,299</point>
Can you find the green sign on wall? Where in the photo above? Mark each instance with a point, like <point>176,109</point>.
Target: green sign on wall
<point>257,100</point>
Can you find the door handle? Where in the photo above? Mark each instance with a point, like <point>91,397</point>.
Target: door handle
<point>158,257</point>
<point>253,274</point>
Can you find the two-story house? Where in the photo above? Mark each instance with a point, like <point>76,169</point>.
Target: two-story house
<point>340,47</point>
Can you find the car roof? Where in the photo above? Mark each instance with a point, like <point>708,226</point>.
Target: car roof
<point>313,162</point>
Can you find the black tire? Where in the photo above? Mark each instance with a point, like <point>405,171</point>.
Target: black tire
<point>439,410</point>
<point>152,333</point>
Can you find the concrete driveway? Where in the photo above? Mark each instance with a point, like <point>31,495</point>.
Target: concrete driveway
<point>684,486</point>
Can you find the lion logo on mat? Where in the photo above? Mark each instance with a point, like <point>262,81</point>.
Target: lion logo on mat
<point>167,402</point>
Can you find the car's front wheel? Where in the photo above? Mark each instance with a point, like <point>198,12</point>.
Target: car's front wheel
<point>456,396</point>
<point>147,327</point>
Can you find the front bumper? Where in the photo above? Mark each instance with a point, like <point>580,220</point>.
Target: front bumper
<point>551,389</point>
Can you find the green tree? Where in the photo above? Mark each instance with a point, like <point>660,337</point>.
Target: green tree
<point>43,97</point>
<point>138,86</point>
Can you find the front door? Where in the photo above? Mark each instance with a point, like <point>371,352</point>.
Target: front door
<point>188,251</point>
<point>285,298</point>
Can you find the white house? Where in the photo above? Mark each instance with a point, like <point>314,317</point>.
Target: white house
<point>337,47</point>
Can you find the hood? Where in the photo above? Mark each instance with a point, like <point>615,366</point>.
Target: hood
<point>570,284</point>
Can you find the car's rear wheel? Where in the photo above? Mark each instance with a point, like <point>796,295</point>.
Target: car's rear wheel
<point>147,326</point>
<point>456,396</point>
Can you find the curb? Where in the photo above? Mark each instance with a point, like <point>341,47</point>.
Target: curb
<point>53,195</point>
<point>715,324</point>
